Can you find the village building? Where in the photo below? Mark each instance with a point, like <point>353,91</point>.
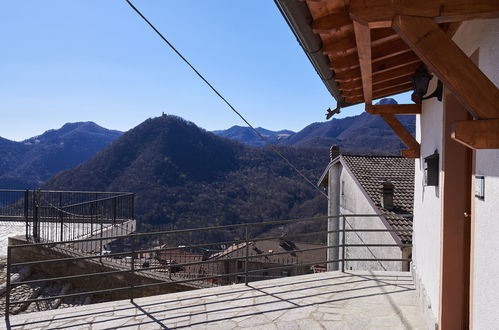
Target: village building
<point>268,259</point>
<point>445,51</point>
<point>382,189</point>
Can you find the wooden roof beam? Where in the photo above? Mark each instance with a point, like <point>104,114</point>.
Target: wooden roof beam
<point>332,22</point>
<point>407,61</point>
<point>363,39</point>
<point>380,13</point>
<point>404,135</point>
<point>379,53</point>
<point>391,63</point>
<point>354,99</point>
<point>477,134</point>
<point>394,109</point>
<point>469,84</point>
<point>348,45</point>
<point>379,84</point>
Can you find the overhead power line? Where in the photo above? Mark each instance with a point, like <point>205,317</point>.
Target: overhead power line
<point>225,100</point>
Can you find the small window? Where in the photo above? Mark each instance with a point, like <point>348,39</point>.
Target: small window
<point>431,171</point>
<point>342,188</point>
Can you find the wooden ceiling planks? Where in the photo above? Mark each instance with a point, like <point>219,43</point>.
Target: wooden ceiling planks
<point>392,61</point>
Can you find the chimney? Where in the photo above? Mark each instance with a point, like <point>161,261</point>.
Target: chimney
<point>334,152</point>
<point>387,195</point>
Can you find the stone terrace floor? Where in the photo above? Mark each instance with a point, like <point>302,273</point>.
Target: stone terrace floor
<point>333,300</point>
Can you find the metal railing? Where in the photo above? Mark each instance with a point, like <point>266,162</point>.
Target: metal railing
<point>64,215</point>
<point>275,252</point>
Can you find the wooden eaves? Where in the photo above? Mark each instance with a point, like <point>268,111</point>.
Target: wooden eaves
<point>374,47</point>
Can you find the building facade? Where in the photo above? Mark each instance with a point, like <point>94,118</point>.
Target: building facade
<point>381,188</point>
<point>365,50</point>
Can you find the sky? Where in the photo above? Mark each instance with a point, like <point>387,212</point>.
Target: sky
<point>93,60</point>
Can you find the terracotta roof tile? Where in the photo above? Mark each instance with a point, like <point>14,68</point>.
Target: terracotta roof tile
<point>371,171</point>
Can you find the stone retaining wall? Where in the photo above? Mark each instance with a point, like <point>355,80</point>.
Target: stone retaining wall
<point>102,282</point>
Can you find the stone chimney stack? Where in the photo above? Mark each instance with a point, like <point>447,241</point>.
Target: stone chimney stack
<point>387,189</point>
<point>334,152</point>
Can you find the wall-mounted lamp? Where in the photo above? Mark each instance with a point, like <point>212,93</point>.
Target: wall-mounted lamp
<point>420,82</point>
<point>431,171</point>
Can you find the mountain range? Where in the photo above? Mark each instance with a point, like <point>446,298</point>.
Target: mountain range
<point>29,163</point>
<point>362,134</point>
<point>247,136</point>
<point>185,176</point>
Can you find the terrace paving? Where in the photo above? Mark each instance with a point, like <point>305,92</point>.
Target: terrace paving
<point>332,300</point>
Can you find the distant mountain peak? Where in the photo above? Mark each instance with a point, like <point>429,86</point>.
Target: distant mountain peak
<point>387,100</point>
<point>27,164</point>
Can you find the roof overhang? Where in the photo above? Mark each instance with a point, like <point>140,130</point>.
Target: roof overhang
<point>368,49</point>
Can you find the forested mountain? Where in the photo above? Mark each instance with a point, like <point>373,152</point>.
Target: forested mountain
<point>362,134</point>
<point>186,176</point>
<point>29,163</point>
<point>248,136</point>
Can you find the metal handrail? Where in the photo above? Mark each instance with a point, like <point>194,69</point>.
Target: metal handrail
<point>165,272</point>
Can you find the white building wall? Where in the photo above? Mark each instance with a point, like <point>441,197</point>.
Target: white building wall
<point>484,36</point>
<point>472,35</point>
<point>427,211</point>
<point>353,201</point>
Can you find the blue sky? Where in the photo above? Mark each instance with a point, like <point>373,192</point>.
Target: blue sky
<point>94,60</point>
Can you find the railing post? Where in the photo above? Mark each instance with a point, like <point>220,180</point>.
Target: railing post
<point>36,197</point>
<point>61,217</point>
<point>343,242</point>
<point>8,288</point>
<point>246,257</point>
<point>132,282</point>
<point>101,238</point>
<point>26,212</point>
<point>114,211</point>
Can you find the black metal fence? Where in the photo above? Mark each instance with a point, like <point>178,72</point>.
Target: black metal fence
<point>243,259</point>
<point>64,215</point>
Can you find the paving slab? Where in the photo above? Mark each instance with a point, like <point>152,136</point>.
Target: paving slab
<point>331,300</point>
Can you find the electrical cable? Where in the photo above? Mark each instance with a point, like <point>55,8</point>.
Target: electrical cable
<point>225,100</point>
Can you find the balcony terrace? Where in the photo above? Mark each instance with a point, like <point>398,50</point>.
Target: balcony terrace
<point>329,300</point>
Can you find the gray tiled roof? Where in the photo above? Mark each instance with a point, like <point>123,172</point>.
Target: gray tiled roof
<point>371,171</point>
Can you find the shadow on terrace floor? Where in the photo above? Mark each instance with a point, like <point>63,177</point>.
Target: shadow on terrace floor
<point>356,300</point>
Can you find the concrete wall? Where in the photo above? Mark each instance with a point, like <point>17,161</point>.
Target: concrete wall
<point>483,35</point>
<point>353,201</point>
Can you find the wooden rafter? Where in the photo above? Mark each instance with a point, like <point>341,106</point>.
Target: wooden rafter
<point>477,134</point>
<point>394,73</point>
<point>394,109</point>
<point>332,22</point>
<point>379,13</point>
<point>379,86</point>
<point>394,62</point>
<point>347,43</point>
<point>379,93</point>
<point>354,99</point>
<point>404,135</point>
<point>379,53</point>
<point>472,87</point>
<point>396,66</point>
<point>363,39</point>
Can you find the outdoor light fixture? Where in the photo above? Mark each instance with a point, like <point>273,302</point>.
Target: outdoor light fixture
<point>420,82</point>
<point>431,169</point>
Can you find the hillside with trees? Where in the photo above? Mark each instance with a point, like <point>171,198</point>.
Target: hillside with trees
<point>184,176</point>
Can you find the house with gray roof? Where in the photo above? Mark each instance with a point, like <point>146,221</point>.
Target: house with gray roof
<point>371,193</point>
